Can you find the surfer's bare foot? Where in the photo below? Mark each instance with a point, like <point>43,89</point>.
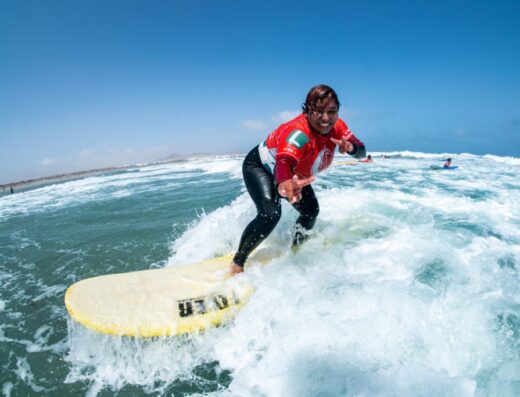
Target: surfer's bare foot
<point>235,269</point>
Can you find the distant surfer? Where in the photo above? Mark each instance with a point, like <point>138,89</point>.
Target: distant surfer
<point>447,164</point>
<point>367,160</point>
<point>12,190</point>
<point>285,165</point>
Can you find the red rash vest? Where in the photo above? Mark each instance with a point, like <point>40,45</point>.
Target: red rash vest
<point>307,152</point>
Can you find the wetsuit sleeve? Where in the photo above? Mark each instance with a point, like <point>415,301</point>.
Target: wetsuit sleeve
<point>284,168</point>
<point>343,131</point>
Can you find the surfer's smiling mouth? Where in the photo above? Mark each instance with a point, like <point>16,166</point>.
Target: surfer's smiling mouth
<point>322,120</point>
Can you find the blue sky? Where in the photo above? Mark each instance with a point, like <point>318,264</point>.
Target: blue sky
<point>87,84</point>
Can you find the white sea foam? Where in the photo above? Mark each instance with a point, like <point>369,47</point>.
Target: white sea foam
<point>503,159</point>
<point>417,155</point>
<point>24,373</point>
<point>114,185</point>
<point>360,323</point>
<point>111,361</point>
<point>405,289</point>
<point>201,242</point>
<point>7,387</point>
<point>231,165</point>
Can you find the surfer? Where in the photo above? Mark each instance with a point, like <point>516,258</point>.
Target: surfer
<point>285,165</point>
<point>367,160</point>
<point>447,164</point>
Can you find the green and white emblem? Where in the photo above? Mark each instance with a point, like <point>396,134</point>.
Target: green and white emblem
<point>297,138</point>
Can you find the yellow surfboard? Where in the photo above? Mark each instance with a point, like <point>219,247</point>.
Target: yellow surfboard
<point>159,302</point>
<point>346,162</point>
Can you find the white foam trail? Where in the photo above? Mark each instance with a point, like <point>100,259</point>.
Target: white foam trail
<point>231,165</point>
<point>111,361</point>
<point>24,373</point>
<point>405,289</point>
<point>354,319</point>
<point>503,159</point>
<point>7,388</point>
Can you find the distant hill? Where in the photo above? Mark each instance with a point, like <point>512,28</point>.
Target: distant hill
<point>175,156</point>
<point>178,156</point>
<point>59,177</point>
<point>80,174</point>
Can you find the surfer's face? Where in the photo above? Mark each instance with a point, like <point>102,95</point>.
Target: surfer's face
<point>323,115</point>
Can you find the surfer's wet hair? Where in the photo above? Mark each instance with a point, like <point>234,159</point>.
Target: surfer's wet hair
<point>317,94</point>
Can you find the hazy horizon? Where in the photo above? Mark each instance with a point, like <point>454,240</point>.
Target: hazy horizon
<point>170,157</point>
<point>377,156</point>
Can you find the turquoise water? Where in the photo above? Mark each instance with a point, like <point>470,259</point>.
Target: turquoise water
<point>409,287</point>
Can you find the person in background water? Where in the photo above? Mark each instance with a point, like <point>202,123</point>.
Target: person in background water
<point>447,164</point>
<point>12,190</point>
<point>367,160</point>
<point>285,165</point>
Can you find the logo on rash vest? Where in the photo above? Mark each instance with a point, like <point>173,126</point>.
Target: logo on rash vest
<point>297,138</point>
<point>322,161</point>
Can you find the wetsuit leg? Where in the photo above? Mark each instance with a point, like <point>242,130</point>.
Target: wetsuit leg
<point>309,209</point>
<point>260,185</point>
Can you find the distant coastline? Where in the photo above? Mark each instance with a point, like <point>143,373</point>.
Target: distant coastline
<point>58,178</point>
<point>5,188</point>
<point>80,174</point>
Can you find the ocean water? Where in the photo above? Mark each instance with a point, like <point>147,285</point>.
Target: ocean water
<point>410,285</point>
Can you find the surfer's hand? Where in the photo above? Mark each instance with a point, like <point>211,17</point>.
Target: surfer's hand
<point>285,189</point>
<point>235,269</point>
<point>292,188</point>
<point>344,145</point>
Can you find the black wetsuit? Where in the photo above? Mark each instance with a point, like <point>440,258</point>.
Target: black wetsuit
<point>261,186</point>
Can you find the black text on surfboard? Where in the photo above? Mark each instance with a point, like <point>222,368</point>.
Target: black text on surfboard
<point>204,304</point>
